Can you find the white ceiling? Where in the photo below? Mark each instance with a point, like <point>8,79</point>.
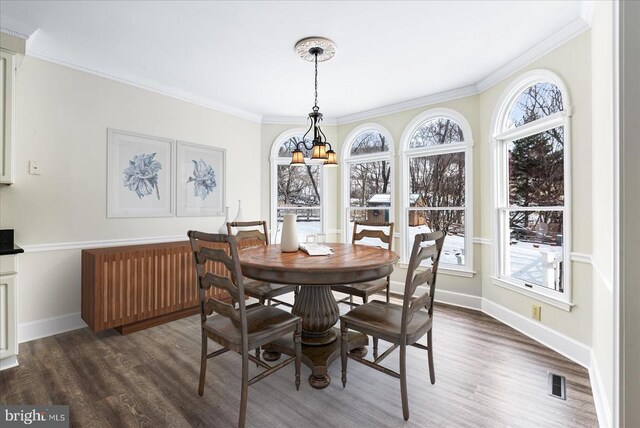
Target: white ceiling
<point>239,56</point>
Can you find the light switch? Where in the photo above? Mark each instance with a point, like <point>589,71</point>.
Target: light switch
<point>34,168</point>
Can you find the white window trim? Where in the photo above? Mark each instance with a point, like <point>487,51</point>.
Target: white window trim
<point>499,138</point>
<point>348,160</point>
<point>276,160</point>
<point>467,148</point>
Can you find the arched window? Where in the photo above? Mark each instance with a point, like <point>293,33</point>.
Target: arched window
<point>295,189</point>
<point>366,177</point>
<point>531,172</point>
<point>437,150</point>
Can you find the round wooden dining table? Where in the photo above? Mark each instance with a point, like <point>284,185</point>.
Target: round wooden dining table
<point>315,304</point>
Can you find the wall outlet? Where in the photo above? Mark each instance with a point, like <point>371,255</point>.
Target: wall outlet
<point>536,312</point>
<point>34,168</point>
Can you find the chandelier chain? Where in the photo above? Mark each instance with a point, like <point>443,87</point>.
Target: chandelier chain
<point>316,80</point>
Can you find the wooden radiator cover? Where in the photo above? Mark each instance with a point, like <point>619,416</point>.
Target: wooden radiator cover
<point>138,286</point>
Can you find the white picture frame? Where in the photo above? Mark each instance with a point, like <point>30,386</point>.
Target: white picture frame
<point>140,175</point>
<point>200,180</point>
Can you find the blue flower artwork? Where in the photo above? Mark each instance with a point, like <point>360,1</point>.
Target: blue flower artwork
<point>204,178</point>
<point>141,176</point>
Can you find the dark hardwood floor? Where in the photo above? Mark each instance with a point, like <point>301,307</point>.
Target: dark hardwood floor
<point>488,375</point>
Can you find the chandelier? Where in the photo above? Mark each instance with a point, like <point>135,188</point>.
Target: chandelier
<point>316,49</point>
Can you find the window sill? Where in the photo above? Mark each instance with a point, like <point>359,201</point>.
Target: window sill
<point>465,273</point>
<point>566,306</point>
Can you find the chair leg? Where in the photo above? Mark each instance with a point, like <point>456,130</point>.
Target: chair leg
<point>350,301</point>
<point>298,349</point>
<point>403,381</point>
<point>388,291</point>
<point>432,372</point>
<point>257,351</point>
<point>343,351</point>
<point>203,365</point>
<point>375,347</point>
<point>245,389</point>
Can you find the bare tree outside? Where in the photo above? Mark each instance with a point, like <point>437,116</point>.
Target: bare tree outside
<point>370,181</point>
<point>439,180</point>
<point>536,167</point>
<point>536,190</point>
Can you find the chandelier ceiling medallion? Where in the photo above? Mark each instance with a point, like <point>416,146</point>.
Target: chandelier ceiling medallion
<point>316,49</point>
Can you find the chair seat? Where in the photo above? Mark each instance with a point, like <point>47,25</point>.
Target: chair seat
<point>362,289</point>
<point>384,320</point>
<point>265,290</point>
<point>264,324</point>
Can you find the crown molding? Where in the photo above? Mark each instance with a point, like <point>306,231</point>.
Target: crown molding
<point>156,87</point>
<point>440,97</point>
<point>586,11</point>
<point>574,29</point>
<point>16,28</point>
<point>295,120</point>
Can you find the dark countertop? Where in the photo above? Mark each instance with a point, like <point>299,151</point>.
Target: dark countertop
<point>5,250</point>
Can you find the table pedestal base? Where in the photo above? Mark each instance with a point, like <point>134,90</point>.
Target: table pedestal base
<point>318,358</point>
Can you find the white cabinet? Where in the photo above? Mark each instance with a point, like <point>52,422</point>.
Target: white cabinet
<point>7,97</point>
<point>8,306</point>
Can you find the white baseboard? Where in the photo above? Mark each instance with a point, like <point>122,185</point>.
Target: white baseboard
<point>459,299</point>
<point>49,326</point>
<point>562,344</point>
<point>447,297</point>
<point>8,363</point>
<point>599,397</point>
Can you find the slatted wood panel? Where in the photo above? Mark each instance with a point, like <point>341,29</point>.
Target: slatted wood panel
<point>124,285</point>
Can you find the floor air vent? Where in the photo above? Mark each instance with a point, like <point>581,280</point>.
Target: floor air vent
<point>557,386</point>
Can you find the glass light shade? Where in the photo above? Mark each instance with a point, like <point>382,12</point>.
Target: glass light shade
<point>297,157</point>
<point>319,151</point>
<point>331,159</point>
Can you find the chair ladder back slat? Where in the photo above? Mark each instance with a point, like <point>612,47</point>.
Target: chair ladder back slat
<point>367,232</point>
<point>222,308</point>
<point>217,255</point>
<point>252,237</point>
<point>222,282</point>
<point>421,278</point>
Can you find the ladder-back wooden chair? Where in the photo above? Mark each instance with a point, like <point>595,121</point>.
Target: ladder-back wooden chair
<point>364,290</point>
<point>400,325</point>
<point>242,329</point>
<point>263,291</point>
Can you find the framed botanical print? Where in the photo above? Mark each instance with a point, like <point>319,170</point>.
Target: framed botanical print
<point>139,175</point>
<point>200,180</point>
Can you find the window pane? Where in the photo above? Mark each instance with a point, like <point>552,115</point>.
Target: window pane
<point>537,101</point>
<point>536,169</point>
<point>535,247</point>
<point>307,222</point>
<point>370,184</point>
<point>435,132</point>
<point>290,145</point>
<point>369,142</point>
<point>451,221</point>
<point>298,186</point>
<point>437,181</point>
<point>368,215</point>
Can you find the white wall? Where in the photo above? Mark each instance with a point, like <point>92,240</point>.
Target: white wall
<point>572,63</point>
<point>603,203</point>
<point>62,116</point>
